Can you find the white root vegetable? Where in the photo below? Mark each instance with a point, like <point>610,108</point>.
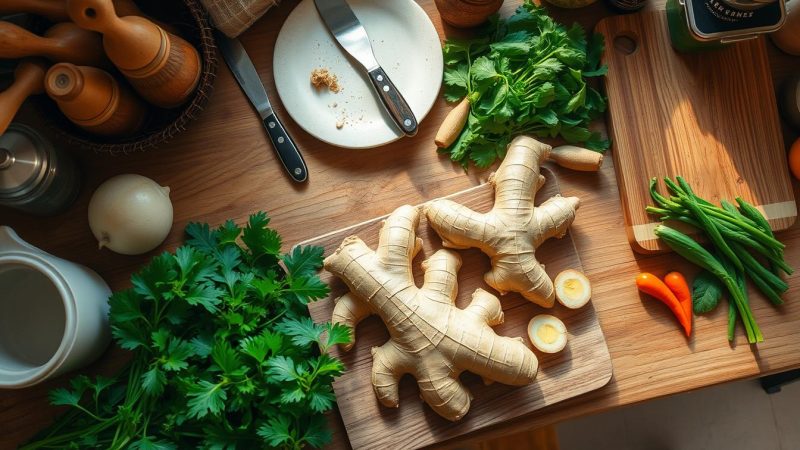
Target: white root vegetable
<point>510,233</point>
<point>547,333</point>
<point>430,338</point>
<point>573,289</point>
<point>130,214</point>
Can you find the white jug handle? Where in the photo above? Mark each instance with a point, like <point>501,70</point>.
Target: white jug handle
<point>10,241</point>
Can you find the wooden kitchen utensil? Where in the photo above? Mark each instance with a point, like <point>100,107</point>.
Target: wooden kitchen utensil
<point>56,10</point>
<point>63,42</point>
<point>583,366</point>
<point>711,118</point>
<point>92,99</point>
<point>162,67</point>
<point>28,80</point>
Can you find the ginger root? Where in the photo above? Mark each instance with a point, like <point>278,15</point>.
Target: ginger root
<point>430,338</point>
<point>510,233</point>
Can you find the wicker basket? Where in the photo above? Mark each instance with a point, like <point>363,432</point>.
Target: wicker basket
<point>190,19</point>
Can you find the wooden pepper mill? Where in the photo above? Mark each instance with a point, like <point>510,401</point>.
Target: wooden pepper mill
<point>63,42</point>
<point>92,99</point>
<point>28,80</point>
<point>56,10</point>
<point>163,68</point>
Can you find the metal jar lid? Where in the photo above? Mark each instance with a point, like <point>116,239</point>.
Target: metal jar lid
<point>24,163</point>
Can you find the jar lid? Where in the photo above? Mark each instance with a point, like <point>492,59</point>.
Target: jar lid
<point>23,161</point>
<point>718,20</point>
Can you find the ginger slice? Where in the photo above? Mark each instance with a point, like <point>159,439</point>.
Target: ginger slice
<point>430,338</point>
<point>510,233</point>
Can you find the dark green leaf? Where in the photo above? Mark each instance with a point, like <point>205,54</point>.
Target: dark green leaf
<point>276,432</point>
<point>205,398</point>
<point>317,433</point>
<point>177,354</point>
<point>281,368</point>
<point>226,358</point>
<point>706,292</point>
<point>61,396</point>
<point>153,382</point>
<point>303,260</point>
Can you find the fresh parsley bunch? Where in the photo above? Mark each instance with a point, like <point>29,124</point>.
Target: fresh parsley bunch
<point>525,76</point>
<point>224,353</point>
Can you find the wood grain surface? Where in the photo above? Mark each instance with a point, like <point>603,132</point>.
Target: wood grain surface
<point>583,366</point>
<point>709,117</point>
<point>222,167</point>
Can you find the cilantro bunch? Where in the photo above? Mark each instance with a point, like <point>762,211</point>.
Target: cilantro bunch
<point>525,76</point>
<point>224,353</point>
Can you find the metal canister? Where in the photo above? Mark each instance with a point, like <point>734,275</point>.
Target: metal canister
<point>708,24</point>
<point>34,177</point>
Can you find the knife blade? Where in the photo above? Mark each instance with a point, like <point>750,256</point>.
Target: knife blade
<point>352,37</point>
<point>245,73</point>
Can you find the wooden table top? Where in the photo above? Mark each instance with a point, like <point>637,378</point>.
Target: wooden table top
<point>223,167</point>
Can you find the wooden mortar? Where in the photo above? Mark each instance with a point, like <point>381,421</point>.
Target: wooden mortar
<point>162,67</point>
<point>93,100</point>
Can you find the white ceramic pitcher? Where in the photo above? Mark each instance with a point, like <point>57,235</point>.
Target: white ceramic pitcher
<point>53,314</point>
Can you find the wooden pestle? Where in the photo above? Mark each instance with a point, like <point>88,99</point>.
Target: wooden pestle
<point>92,99</point>
<point>28,80</point>
<point>56,10</point>
<point>569,156</point>
<point>65,42</point>
<point>163,68</point>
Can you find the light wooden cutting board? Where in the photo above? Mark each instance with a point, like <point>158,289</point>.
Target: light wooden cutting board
<point>583,366</point>
<point>709,117</point>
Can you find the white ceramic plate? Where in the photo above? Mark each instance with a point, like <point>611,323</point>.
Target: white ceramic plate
<point>406,45</point>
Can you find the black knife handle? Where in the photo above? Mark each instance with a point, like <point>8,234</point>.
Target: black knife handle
<point>394,101</point>
<point>284,146</point>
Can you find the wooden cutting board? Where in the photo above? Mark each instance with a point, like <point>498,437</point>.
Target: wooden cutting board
<point>583,366</point>
<point>709,117</point>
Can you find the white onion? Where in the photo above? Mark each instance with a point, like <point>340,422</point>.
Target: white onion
<point>130,214</point>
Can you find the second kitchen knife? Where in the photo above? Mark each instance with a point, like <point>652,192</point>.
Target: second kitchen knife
<point>244,72</point>
<point>352,37</point>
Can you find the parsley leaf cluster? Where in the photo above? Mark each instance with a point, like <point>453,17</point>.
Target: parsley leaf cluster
<point>224,353</point>
<point>526,75</point>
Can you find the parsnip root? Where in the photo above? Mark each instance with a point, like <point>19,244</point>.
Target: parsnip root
<point>510,233</point>
<point>430,338</point>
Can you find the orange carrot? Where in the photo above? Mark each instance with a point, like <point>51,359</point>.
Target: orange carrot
<point>677,284</point>
<point>652,285</point>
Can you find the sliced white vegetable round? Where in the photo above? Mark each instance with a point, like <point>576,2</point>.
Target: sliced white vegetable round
<point>547,333</point>
<point>573,289</point>
<point>130,214</point>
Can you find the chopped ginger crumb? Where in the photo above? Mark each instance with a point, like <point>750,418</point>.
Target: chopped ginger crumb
<point>339,124</point>
<point>322,77</point>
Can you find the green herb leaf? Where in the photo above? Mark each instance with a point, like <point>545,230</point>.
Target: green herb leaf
<point>276,432</point>
<point>153,382</point>
<point>61,396</point>
<point>303,261</point>
<point>706,292</point>
<point>205,398</point>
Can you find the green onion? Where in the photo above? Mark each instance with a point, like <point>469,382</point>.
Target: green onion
<point>692,251</point>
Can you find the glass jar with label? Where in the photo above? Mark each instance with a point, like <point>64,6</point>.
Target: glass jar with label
<point>709,24</point>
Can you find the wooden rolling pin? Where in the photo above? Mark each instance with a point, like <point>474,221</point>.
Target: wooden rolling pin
<point>163,68</point>
<point>56,10</point>
<point>63,42</point>
<point>569,156</point>
<point>92,99</point>
<point>28,80</point>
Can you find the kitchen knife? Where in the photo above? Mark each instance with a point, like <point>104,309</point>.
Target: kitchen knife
<point>352,37</point>
<point>244,72</point>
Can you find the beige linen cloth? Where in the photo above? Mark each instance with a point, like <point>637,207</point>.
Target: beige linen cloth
<point>233,17</point>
